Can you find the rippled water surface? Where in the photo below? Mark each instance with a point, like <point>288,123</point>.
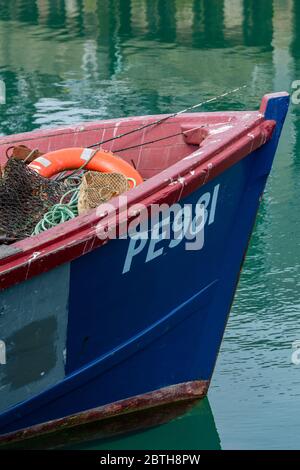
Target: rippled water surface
<point>65,61</point>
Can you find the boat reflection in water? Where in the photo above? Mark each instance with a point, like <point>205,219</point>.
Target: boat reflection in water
<point>175,426</point>
<point>181,425</point>
<point>193,428</point>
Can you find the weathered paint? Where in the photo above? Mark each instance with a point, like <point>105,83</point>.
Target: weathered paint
<point>78,236</point>
<point>33,327</point>
<point>161,322</point>
<point>115,418</point>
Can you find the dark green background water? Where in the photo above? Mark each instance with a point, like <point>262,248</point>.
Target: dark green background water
<point>70,60</point>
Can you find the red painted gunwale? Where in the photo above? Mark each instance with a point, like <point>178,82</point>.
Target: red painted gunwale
<point>247,132</point>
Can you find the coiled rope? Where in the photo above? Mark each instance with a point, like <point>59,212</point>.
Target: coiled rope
<point>64,211</point>
<point>61,212</point>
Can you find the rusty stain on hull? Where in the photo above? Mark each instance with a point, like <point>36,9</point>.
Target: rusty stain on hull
<point>127,415</point>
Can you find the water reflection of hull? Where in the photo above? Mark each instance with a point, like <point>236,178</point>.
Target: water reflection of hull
<point>192,428</point>
<point>167,425</point>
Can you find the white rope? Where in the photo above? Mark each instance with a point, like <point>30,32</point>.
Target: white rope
<point>159,121</point>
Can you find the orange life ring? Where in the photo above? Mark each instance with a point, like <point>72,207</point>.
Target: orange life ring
<point>73,158</point>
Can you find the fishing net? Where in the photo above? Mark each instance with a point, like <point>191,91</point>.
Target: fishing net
<point>97,188</point>
<point>24,198</point>
<point>31,204</point>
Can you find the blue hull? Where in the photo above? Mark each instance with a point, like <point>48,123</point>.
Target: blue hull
<point>124,320</point>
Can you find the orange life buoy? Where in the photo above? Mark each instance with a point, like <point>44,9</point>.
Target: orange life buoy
<point>73,158</point>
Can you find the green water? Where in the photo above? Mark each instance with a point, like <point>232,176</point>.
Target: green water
<point>69,60</point>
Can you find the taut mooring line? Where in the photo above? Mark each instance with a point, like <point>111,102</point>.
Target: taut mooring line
<point>159,121</point>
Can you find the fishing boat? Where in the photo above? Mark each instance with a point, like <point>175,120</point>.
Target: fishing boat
<point>94,326</point>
